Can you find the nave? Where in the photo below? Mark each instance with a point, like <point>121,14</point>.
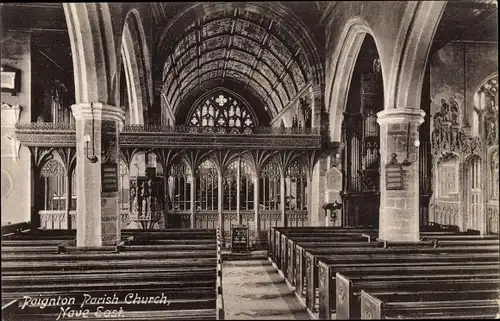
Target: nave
<point>210,160</point>
<point>307,273</point>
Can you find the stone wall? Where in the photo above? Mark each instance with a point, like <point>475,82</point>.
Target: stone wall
<point>457,72</point>
<point>15,168</point>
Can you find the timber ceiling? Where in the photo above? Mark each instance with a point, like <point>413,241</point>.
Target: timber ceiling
<point>259,51</point>
<point>467,20</point>
<point>262,52</point>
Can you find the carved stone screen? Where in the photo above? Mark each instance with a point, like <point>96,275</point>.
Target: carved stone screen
<point>447,177</point>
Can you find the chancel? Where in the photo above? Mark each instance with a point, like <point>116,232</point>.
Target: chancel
<point>250,160</point>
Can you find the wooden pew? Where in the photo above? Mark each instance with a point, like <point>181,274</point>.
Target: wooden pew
<point>276,232</point>
<point>166,267</point>
<point>348,290</point>
<point>281,239</point>
<point>434,304</point>
<point>340,264</point>
<point>37,246</point>
<point>15,228</point>
<point>312,256</point>
<point>289,245</point>
<point>293,254</point>
<point>220,298</point>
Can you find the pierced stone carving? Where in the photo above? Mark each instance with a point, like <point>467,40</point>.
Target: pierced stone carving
<point>52,168</point>
<point>446,213</point>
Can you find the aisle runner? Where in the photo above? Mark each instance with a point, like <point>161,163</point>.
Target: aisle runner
<point>254,290</point>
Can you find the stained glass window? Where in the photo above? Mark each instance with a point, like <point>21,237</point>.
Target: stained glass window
<point>222,110</point>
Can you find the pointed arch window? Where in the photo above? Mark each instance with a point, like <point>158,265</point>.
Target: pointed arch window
<point>485,115</point>
<point>222,110</point>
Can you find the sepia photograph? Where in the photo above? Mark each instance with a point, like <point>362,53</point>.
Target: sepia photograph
<point>266,160</point>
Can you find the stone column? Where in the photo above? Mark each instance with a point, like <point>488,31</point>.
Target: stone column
<point>256,206</point>
<point>317,105</point>
<point>399,209</point>
<point>309,200</point>
<point>238,187</point>
<point>98,213</point>
<point>193,200</point>
<point>282,198</point>
<point>318,193</point>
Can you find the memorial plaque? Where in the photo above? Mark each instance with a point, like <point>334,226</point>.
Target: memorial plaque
<point>109,177</point>
<point>393,175</point>
<point>10,80</point>
<point>239,238</point>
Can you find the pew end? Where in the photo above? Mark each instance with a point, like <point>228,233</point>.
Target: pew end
<point>343,297</point>
<point>9,309</point>
<point>421,242</point>
<point>220,298</point>
<point>220,307</point>
<point>368,236</point>
<point>371,307</point>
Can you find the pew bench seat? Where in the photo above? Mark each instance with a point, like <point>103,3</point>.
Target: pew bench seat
<point>105,263</point>
<point>23,256</point>
<point>348,291</point>
<point>91,270</point>
<point>439,305</point>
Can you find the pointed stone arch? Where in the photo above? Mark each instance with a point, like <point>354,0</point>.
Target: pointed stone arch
<point>352,39</point>
<point>95,43</point>
<point>137,66</point>
<point>404,84</point>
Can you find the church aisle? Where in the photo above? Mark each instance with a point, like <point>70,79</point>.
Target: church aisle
<point>253,289</point>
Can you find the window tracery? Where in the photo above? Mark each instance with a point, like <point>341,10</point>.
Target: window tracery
<point>180,180</point>
<point>207,187</point>
<point>54,177</point>
<point>296,187</point>
<point>222,110</point>
<point>485,115</point>
<point>270,187</point>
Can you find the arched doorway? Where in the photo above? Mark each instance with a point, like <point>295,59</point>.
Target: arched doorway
<point>361,136</point>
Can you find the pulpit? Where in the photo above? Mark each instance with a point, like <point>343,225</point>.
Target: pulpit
<point>147,201</point>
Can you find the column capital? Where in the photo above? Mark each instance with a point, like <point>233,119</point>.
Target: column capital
<point>99,111</point>
<point>317,90</point>
<point>401,115</point>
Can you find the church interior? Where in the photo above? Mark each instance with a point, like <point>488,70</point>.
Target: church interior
<point>250,160</point>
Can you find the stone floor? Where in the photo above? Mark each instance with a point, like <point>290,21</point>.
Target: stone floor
<point>253,289</point>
